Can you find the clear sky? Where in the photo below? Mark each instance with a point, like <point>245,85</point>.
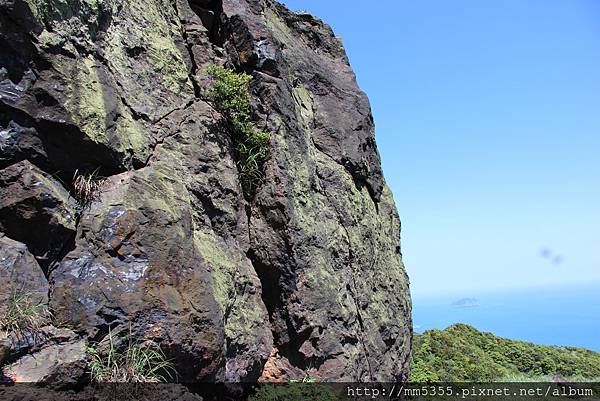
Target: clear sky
<point>488,125</point>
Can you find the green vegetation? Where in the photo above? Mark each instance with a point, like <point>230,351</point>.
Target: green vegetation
<point>86,186</point>
<point>229,93</point>
<point>294,391</point>
<point>24,315</point>
<point>462,353</point>
<point>133,363</point>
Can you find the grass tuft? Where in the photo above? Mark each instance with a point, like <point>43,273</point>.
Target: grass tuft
<point>133,363</point>
<point>86,186</point>
<point>24,316</point>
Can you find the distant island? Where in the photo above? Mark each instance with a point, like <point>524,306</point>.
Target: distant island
<point>462,353</point>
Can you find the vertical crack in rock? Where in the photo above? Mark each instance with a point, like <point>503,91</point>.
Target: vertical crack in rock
<point>188,45</point>
<point>269,279</point>
<point>210,13</point>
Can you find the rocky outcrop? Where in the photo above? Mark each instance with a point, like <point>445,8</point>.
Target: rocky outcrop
<point>301,277</point>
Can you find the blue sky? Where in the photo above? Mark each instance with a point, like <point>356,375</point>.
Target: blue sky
<point>488,125</point>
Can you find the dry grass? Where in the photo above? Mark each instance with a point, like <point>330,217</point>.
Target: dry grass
<point>24,316</point>
<point>133,363</point>
<point>86,186</point>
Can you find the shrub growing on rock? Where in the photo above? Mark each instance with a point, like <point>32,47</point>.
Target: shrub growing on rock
<point>229,93</point>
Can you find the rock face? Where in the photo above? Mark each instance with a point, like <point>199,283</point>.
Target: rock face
<point>19,273</point>
<point>36,210</point>
<point>303,277</point>
<point>58,365</point>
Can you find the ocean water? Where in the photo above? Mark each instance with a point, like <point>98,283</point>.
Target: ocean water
<point>567,315</point>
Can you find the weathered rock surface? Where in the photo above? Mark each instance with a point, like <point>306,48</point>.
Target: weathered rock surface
<point>20,276</point>
<point>49,355</point>
<point>36,210</point>
<point>59,365</point>
<point>302,277</point>
<point>19,273</point>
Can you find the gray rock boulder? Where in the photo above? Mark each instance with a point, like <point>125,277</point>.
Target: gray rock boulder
<point>37,210</point>
<point>58,365</point>
<point>19,274</point>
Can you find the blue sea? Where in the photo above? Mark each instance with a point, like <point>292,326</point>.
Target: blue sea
<point>568,315</point>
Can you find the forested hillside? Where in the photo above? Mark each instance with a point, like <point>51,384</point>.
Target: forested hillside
<point>462,353</point>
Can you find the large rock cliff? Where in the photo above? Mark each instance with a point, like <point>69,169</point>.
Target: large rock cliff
<point>301,277</point>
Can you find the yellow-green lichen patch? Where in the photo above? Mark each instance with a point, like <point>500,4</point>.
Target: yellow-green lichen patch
<point>48,40</point>
<point>63,216</point>
<point>303,172</point>
<point>230,285</point>
<point>279,28</point>
<point>38,10</point>
<point>246,311</point>
<point>304,104</point>
<point>85,99</point>
<point>222,264</point>
<point>130,134</point>
<point>169,63</point>
<point>141,51</point>
<point>321,275</point>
